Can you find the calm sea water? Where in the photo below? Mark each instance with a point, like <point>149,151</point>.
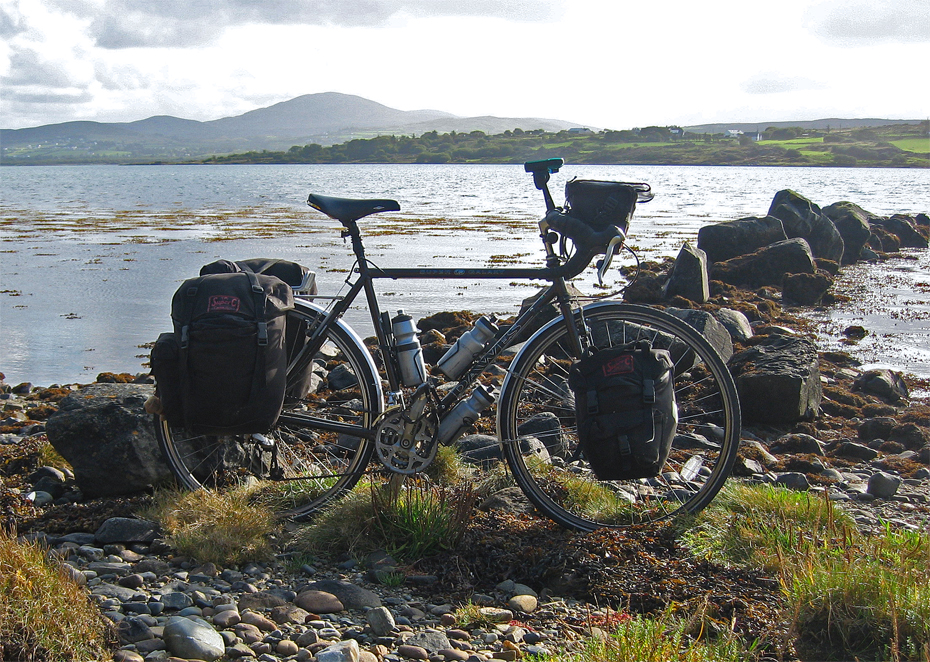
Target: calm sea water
<point>92,254</point>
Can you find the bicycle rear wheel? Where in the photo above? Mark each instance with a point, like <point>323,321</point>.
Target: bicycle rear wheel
<point>536,401</point>
<point>294,468</point>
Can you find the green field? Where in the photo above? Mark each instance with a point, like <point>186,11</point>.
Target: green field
<point>919,145</point>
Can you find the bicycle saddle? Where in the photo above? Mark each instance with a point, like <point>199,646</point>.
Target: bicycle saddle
<point>347,210</point>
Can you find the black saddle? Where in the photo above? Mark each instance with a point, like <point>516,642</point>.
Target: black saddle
<point>347,210</point>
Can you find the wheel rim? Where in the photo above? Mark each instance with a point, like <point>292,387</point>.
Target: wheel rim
<point>537,423</point>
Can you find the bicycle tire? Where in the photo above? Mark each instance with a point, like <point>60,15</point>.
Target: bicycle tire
<point>312,468</point>
<point>567,491</point>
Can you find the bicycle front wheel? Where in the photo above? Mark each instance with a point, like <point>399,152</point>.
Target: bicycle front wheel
<point>536,402</point>
<point>294,468</point>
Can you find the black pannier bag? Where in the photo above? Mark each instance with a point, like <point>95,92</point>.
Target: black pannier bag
<point>303,281</point>
<point>626,411</point>
<point>601,204</point>
<point>223,370</point>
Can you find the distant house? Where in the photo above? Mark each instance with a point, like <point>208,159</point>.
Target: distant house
<point>582,130</point>
<point>732,133</point>
<point>755,136</point>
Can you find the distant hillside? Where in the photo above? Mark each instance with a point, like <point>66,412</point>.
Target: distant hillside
<point>327,118</point>
<point>832,123</point>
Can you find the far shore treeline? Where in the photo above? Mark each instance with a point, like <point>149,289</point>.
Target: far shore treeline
<point>898,145</point>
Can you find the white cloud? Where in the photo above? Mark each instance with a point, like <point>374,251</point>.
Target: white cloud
<point>860,23</point>
<point>775,83</point>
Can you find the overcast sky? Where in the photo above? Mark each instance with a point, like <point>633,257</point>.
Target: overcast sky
<point>601,63</point>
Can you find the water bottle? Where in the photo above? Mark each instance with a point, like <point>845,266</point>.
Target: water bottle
<point>465,414</point>
<point>409,353</point>
<point>460,355</point>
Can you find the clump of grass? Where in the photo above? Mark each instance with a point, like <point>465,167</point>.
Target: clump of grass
<point>44,615</point>
<point>222,527</point>
<point>849,595</point>
<point>408,520</point>
<point>448,467</point>
<point>666,638</point>
<point>417,519</point>
<point>343,528</point>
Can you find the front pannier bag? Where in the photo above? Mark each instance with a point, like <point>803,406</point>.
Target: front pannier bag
<point>626,411</point>
<point>223,370</point>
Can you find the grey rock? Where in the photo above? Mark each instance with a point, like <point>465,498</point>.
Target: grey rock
<point>132,630</point>
<point>509,500</point>
<point>856,451</point>
<point>712,330</point>
<point>350,595</point>
<point>176,600</point>
<point>546,426</point>
<point>793,480</point>
<point>429,640</point>
<point>778,380</point>
<point>343,651</point>
<point>105,434</point>
<point>883,485</point>
<point>767,266</point>
<point>689,278</point>
<point>736,323</point>
<point>193,639</point>
<point>883,383</point>
<point>342,377</point>
<point>802,218</point>
<point>722,241</point>
<point>852,222</point>
<point>126,530</point>
<point>381,621</point>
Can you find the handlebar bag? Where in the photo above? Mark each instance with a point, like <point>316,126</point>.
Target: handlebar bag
<point>601,204</point>
<point>223,370</point>
<point>625,409</point>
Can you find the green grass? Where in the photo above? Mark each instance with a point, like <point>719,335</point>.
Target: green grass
<point>918,145</point>
<point>44,615</point>
<point>407,519</point>
<point>222,527</point>
<point>792,143</point>
<point>668,638</point>
<point>849,595</point>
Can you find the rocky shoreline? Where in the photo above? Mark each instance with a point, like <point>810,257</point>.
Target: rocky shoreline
<point>858,438</point>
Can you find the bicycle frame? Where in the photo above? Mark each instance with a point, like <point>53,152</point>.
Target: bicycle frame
<point>368,274</point>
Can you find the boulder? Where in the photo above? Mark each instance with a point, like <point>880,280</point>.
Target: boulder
<point>904,228</point>
<point>852,222</point>
<point>767,266</point>
<point>688,278</point>
<point>351,596</point>
<point>712,330</point>
<point>883,383</point>
<point>778,380</point>
<point>103,431</point>
<point>806,289</point>
<point>723,241</point>
<point>736,323</point>
<point>802,218</point>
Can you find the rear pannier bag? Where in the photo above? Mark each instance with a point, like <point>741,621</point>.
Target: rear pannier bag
<point>625,409</point>
<point>601,204</point>
<point>303,281</point>
<point>223,370</point>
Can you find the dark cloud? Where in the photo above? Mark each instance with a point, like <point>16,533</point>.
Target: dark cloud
<point>863,23</point>
<point>27,68</point>
<point>143,23</point>
<point>10,25</point>
<point>771,83</point>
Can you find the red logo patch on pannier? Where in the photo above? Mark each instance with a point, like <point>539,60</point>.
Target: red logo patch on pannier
<point>620,365</point>
<point>223,303</point>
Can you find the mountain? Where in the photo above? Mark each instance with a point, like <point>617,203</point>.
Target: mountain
<point>327,118</point>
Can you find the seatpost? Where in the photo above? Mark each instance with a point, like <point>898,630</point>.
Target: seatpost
<point>541,171</point>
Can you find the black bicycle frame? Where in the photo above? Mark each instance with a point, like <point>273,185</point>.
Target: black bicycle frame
<point>368,273</point>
